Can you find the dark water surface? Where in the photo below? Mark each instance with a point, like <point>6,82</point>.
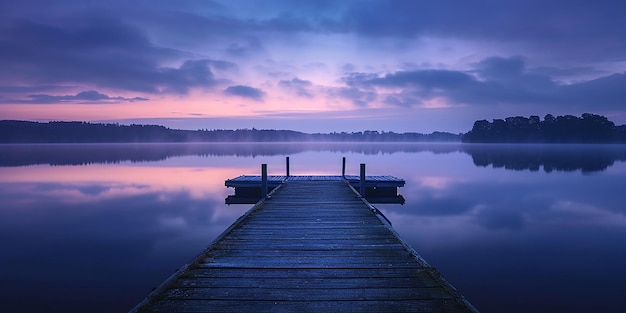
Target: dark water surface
<point>516,228</point>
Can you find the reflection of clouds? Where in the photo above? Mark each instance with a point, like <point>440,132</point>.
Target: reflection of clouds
<point>78,193</point>
<point>434,231</point>
<point>230,213</point>
<point>577,212</point>
<point>93,190</point>
<point>484,206</point>
<point>433,205</point>
<point>90,183</point>
<point>119,241</point>
<point>453,221</point>
<point>498,218</point>
<point>173,222</point>
<point>435,196</point>
<point>138,222</point>
<point>511,201</point>
<point>436,182</point>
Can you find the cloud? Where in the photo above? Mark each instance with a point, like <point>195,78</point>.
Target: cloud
<point>604,92</point>
<point>348,68</point>
<point>494,68</point>
<point>402,100</point>
<point>499,218</point>
<point>428,79</point>
<point>556,28</point>
<point>193,73</point>
<point>567,72</point>
<point>553,27</point>
<point>250,46</point>
<point>84,97</point>
<point>492,81</point>
<point>410,88</point>
<point>359,97</point>
<point>102,52</point>
<point>415,54</point>
<point>221,65</point>
<point>287,22</point>
<point>37,88</point>
<point>298,86</point>
<point>245,92</point>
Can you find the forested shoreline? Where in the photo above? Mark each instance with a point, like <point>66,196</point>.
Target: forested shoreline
<point>589,128</point>
<point>84,132</point>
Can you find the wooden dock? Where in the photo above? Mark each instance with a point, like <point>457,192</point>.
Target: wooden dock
<point>275,180</point>
<point>378,189</point>
<point>311,246</point>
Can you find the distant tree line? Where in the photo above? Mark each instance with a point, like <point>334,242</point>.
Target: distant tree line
<point>84,132</point>
<point>589,128</point>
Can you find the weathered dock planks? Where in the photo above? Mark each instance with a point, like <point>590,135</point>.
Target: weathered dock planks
<point>313,246</point>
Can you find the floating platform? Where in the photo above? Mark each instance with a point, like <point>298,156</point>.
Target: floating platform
<point>312,245</point>
<point>378,189</point>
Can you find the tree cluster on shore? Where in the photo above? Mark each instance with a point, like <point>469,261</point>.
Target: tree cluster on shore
<point>589,128</point>
<point>83,132</point>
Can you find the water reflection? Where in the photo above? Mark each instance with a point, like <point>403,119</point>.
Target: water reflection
<point>91,239</point>
<point>81,154</point>
<point>587,158</point>
<point>542,236</point>
<point>99,236</point>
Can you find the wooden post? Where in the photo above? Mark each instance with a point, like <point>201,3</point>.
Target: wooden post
<point>287,165</point>
<point>263,181</point>
<point>362,180</point>
<point>343,167</point>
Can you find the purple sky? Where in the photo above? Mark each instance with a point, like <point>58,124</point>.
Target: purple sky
<point>315,66</point>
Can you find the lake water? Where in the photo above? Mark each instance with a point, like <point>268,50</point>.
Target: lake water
<point>516,228</point>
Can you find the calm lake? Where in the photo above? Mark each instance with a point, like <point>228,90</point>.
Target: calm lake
<point>515,228</point>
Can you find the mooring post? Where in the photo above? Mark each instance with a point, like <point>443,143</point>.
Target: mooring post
<point>287,165</point>
<point>362,180</point>
<point>343,167</point>
<point>263,181</point>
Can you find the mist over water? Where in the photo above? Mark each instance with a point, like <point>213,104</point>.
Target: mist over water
<point>516,228</point>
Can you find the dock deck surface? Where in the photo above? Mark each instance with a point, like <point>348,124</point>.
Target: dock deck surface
<point>314,246</point>
<point>274,180</point>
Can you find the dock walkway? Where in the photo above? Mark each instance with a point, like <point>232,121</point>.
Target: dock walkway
<point>313,246</point>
